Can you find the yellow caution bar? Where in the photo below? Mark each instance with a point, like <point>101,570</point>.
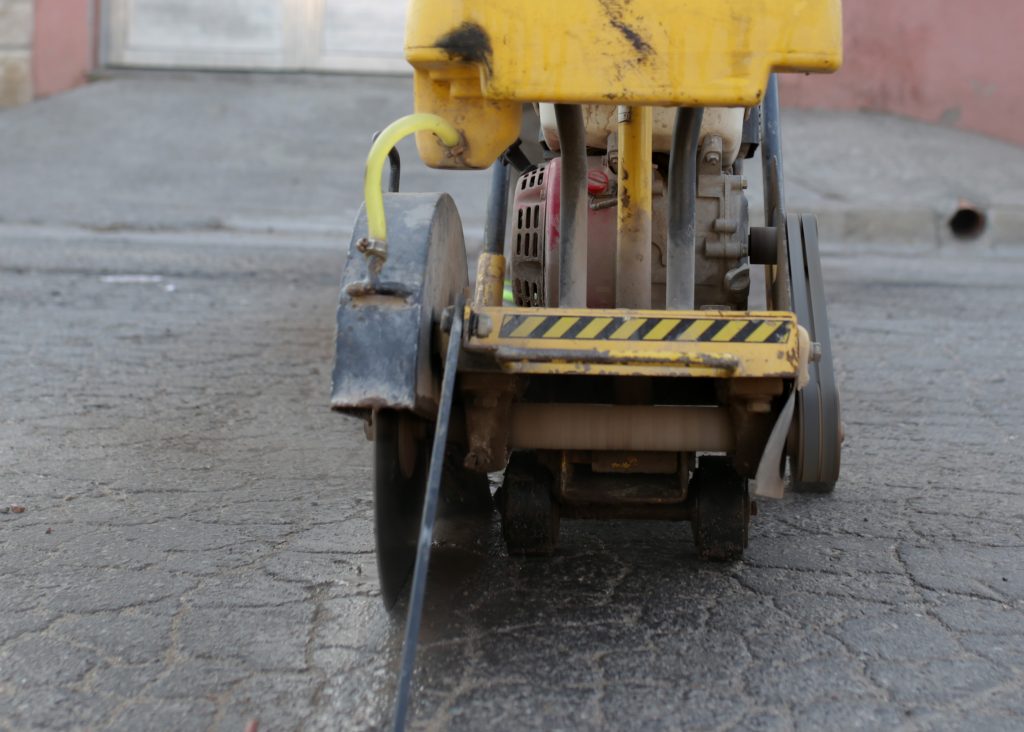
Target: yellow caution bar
<point>719,344</point>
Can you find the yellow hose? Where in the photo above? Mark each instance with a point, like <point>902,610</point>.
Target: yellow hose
<point>392,134</point>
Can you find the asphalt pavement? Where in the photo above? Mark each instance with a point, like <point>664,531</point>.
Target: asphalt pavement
<point>195,547</point>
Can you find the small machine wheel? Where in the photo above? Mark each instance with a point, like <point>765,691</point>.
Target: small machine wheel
<point>463,492</point>
<point>721,510</point>
<point>529,512</point>
<point>401,459</point>
<point>401,446</point>
<point>815,442</point>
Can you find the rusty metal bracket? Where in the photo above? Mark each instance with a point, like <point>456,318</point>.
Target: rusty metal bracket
<point>376,254</point>
<point>386,329</point>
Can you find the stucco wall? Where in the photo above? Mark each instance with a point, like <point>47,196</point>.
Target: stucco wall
<point>62,53</point>
<point>15,52</point>
<point>953,62</point>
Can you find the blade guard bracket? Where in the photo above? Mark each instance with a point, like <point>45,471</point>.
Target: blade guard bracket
<point>385,354</point>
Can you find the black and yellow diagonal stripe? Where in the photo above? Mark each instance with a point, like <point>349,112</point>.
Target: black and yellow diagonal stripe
<point>635,328</point>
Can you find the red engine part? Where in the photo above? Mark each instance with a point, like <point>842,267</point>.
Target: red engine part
<point>535,235</point>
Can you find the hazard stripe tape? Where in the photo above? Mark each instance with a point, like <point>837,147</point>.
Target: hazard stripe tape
<point>602,327</point>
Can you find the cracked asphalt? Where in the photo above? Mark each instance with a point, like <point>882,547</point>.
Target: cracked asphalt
<point>196,547</point>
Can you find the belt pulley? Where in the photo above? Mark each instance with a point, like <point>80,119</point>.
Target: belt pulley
<point>816,436</point>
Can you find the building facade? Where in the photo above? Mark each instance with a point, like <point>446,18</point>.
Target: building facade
<point>16,28</point>
<point>942,61</point>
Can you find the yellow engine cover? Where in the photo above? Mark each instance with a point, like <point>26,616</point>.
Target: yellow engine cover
<point>476,61</point>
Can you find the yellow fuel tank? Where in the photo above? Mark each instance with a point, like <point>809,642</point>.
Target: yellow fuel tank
<point>476,61</point>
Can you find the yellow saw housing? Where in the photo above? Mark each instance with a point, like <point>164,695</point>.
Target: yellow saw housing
<point>476,61</point>
<point>657,384</point>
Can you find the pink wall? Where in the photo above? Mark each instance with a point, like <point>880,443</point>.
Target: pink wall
<point>63,50</point>
<point>955,62</point>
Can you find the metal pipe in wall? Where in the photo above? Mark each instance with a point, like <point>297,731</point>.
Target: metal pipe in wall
<point>572,219</point>
<point>635,180</point>
<point>680,267</point>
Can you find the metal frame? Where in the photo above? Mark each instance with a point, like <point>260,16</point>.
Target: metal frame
<point>635,202</point>
<point>681,266</point>
<point>617,342</point>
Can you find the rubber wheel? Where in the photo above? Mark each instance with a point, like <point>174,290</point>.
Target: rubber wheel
<point>720,510</point>
<point>401,461</point>
<point>815,443</point>
<point>464,492</point>
<point>401,456</point>
<point>529,514</point>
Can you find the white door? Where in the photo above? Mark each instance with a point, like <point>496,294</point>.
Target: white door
<point>286,35</point>
<point>361,35</point>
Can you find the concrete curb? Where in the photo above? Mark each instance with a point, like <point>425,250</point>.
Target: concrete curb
<point>296,237</point>
<point>1003,225</point>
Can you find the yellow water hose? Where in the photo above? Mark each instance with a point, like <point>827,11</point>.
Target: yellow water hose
<point>392,134</point>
